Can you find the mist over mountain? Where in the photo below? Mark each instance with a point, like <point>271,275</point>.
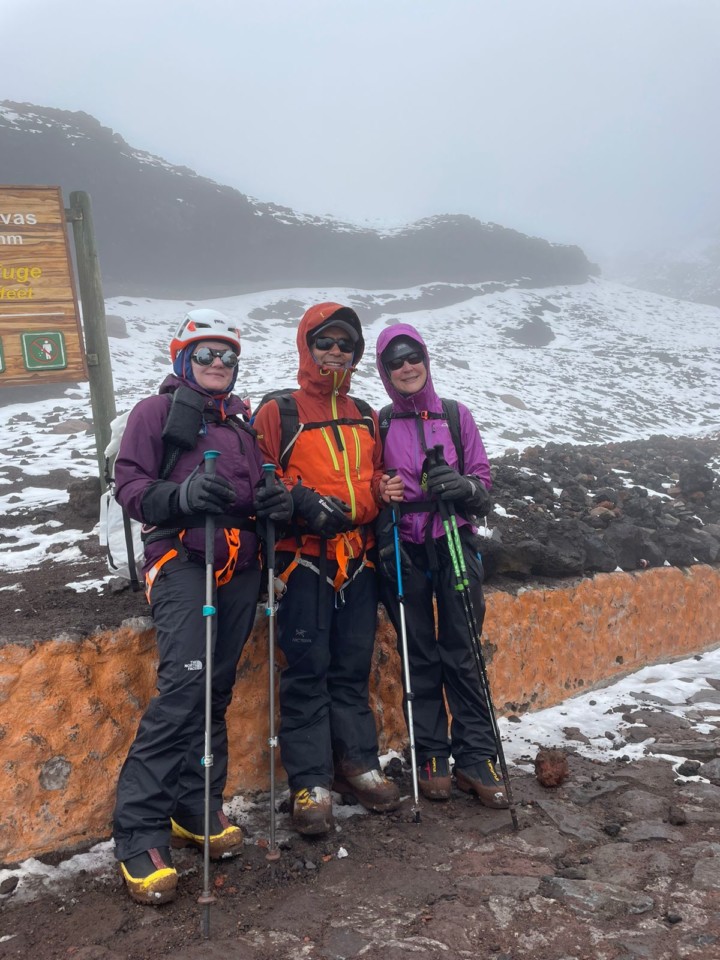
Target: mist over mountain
<point>166,231</point>
<point>691,272</point>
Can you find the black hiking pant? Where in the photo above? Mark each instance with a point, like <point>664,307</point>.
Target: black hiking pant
<point>441,657</point>
<point>325,720</point>
<point>163,775</point>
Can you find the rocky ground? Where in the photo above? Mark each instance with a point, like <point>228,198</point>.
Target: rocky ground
<point>620,862</point>
<point>562,511</point>
<point>574,511</point>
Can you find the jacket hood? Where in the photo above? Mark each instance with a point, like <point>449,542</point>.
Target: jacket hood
<point>311,376</point>
<point>425,399</point>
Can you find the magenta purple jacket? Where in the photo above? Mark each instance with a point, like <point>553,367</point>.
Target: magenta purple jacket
<point>403,450</point>
<point>155,502</point>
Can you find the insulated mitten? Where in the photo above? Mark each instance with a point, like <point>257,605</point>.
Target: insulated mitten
<point>274,502</point>
<point>201,493</point>
<point>324,515</point>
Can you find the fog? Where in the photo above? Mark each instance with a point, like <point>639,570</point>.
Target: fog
<point>583,121</point>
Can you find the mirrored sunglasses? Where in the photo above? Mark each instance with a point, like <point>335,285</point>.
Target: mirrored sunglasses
<point>205,356</point>
<point>327,343</point>
<point>412,358</point>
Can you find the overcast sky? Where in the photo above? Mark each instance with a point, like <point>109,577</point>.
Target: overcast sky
<point>584,121</point>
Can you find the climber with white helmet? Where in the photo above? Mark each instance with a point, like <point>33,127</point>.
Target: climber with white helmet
<point>161,481</point>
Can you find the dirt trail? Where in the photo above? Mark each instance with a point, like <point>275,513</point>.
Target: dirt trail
<point>619,862</point>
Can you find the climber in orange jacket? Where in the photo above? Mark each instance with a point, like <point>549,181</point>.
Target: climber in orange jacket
<point>326,617</point>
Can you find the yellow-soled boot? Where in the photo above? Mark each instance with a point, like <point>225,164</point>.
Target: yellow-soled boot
<point>150,877</point>
<point>226,840</point>
<point>311,810</point>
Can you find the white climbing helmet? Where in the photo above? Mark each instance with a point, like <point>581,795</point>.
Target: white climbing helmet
<point>204,324</point>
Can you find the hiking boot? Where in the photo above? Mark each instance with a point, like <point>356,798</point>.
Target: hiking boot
<point>226,840</point>
<point>311,810</point>
<point>372,789</point>
<point>434,778</point>
<point>482,780</point>
<point>150,876</point>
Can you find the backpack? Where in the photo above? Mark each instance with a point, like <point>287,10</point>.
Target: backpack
<point>119,534</point>
<point>291,428</point>
<point>450,413</point>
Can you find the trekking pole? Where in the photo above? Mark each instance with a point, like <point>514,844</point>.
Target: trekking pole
<point>409,696</point>
<point>269,472</point>
<point>457,556</point>
<point>206,899</point>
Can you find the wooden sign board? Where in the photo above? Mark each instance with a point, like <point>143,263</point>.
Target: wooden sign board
<point>40,333</point>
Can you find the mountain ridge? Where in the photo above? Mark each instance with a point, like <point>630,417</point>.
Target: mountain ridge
<point>167,231</point>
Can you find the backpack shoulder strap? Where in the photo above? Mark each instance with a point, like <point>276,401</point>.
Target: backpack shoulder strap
<point>289,420</point>
<point>365,412</point>
<point>451,413</point>
<point>289,425</point>
<point>384,417</point>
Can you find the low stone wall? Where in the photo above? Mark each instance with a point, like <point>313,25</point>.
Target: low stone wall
<point>69,708</point>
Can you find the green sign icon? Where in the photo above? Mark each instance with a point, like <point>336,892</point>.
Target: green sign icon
<point>44,351</point>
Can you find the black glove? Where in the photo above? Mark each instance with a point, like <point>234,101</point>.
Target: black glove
<point>201,493</point>
<point>448,484</point>
<point>274,502</point>
<point>479,503</point>
<point>325,516</point>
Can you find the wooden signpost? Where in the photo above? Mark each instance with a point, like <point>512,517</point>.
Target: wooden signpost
<point>40,332</point>
<point>41,337</point>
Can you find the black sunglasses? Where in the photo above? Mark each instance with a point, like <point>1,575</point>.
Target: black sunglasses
<point>327,343</point>
<point>411,358</point>
<point>205,356</point>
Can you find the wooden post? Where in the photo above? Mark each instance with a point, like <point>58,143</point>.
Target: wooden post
<point>97,349</point>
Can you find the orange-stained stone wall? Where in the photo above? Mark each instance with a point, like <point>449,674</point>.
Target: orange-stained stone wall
<point>69,709</point>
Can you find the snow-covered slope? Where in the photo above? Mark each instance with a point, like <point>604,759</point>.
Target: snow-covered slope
<point>616,364</point>
<point>622,363</point>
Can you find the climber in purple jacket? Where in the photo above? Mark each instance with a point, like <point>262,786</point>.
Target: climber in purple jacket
<point>161,481</point>
<point>440,655</point>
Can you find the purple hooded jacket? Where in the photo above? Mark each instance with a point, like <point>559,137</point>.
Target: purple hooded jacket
<point>403,451</point>
<point>137,468</point>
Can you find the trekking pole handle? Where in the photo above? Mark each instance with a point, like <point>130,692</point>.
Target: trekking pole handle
<point>435,455</point>
<point>269,474</point>
<point>431,455</point>
<point>392,472</point>
<point>210,458</point>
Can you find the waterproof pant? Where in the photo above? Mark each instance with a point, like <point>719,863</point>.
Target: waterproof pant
<point>325,720</point>
<point>441,658</point>
<point>163,775</point>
